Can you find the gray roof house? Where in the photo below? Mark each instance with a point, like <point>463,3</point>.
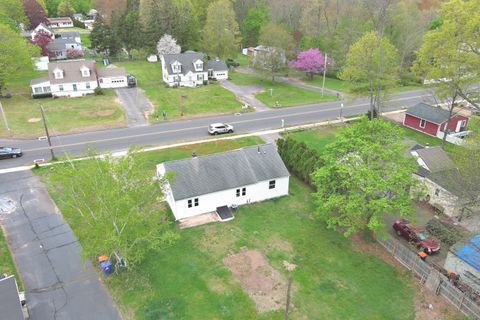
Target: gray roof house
<point>189,70</point>
<point>445,186</point>
<point>204,184</point>
<point>59,47</point>
<point>10,304</point>
<point>428,112</point>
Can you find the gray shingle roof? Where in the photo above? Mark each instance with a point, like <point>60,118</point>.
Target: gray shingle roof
<point>223,171</point>
<point>186,59</point>
<point>217,65</point>
<point>58,44</point>
<point>111,72</point>
<point>60,19</point>
<point>66,35</point>
<point>10,307</point>
<point>429,113</point>
<point>71,71</point>
<point>39,80</point>
<point>436,159</point>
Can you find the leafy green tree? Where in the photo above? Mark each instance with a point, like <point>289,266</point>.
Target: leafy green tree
<point>128,29</point>
<point>65,9</point>
<point>115,202</point>
<point>450,53</point>
<point>52,7</point>
<point>253,23</point>
<point>372,62</point>
<point>221,32</point>
<point>15,56</point>
<point>13,9</point>
<point>362,180</point>
<point>278,44</point>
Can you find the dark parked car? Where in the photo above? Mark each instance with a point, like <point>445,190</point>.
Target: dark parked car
<point>8,152</point>
<point>416,235</point>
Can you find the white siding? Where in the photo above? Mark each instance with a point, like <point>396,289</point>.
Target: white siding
<point>209,202</point>
<point>69,92</point>
<point>113,82</point>
<point>41,88</point>
<point>220,75</point>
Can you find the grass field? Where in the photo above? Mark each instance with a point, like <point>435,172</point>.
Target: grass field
<point>205,100</point>
<point>287,95</point>
<point>316,139</point>
<point>189,280</point>
<point>6,262</point>
<point>64,115</point>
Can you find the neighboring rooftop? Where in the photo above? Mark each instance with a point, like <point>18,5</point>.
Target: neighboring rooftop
<point>470,253</point>
<point>217,65</point>
<point>60,20</point>
<point>435,159</point>
<point>111,72</point>
<point>223,171</point>
<point>186,59</point>
<point>10,305</point>
<point>39,80</point>
<point>67,35</point>
<point>430,113</point>
<point>71,71</point>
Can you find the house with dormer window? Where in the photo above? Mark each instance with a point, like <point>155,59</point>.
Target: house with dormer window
<point>188,69</point>
<point>75,78</point>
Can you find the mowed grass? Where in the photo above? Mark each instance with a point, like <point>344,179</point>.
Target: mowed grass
<point>189,280</point>
<point>286,95</point>
<point>201,101</point>
<point>316,139</point>
<point>64,115</point>
<point>6,262</point>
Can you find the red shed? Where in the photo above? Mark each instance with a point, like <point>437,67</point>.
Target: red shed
<point>433,120</point>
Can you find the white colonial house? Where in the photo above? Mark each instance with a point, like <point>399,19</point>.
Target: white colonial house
<point>41,28</point>
<point>60,22</point>
<point>75,78</point>
<point>189,70</point>
<point>217,182</point>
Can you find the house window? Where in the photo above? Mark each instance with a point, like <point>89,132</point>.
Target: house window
<point>74,87</point>
<point>85,72</point>
<point>195,202</point>
<point>176,78</point>
<point>60,87</point>
<point>38,90</point>
<point>244,191</point>
<point>238,192</point>
<point>87,85</point>
<point>437,192</point>
<point>199,66</point>
<point>58,74</point>
<point>192,202</point>
<point>463,124</point>
<point>46,89</point>
<point>271,184</point>
<point>423,122</point>
<point>200,77</point>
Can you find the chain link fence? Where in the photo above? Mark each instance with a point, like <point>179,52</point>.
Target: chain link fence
<point>432,278</point>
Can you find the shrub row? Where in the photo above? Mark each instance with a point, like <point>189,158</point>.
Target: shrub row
<point>300,160</point>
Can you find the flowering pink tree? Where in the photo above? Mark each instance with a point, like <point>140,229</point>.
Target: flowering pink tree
<point>74,53</point>
<point>42,39</point>
<point>311,61</point>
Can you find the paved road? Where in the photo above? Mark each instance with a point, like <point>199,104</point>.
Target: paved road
<point>194,129</point>
<point>135,103</point>
<point>58,284</point>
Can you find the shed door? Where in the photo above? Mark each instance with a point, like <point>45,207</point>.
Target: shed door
<point>459,126</point>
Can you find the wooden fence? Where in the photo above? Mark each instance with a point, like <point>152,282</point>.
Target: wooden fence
<point>432,278</point>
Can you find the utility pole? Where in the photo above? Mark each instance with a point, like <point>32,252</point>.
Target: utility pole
<point>46,131</point>
<point>341,111</point>
<point>4,117</point>
<point>287,307</point>
<point>324,71</point>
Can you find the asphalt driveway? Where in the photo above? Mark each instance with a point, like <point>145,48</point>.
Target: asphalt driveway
<point>136,104</point>
<point>246,94</point>
<point>58,283</point>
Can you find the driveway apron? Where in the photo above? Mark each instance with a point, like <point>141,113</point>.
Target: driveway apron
<point>58,283</point>
<point>136,104</point>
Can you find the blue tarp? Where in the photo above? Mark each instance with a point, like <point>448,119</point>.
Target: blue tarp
<point>106,267</point>
<point>470,253</point>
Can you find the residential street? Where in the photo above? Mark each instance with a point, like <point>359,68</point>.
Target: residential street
<point>193,129</point>
<point>58,284</point>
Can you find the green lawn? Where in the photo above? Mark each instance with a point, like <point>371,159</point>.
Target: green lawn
<point>287,95</point>
<point>74,29</point>
<point>205,100</point>
<point>6,262</point>
<point>316,139</point>
<point>64,115</point>
<point>188,280</point>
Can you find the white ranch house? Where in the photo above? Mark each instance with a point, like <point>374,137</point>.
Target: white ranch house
<point>217,182</point>
<point>75,78</point>
<point>189,70</point>
<point>60,22</point>
<point>41,28</point>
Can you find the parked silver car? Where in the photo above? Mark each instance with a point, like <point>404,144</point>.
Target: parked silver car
<point>218,128</point>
